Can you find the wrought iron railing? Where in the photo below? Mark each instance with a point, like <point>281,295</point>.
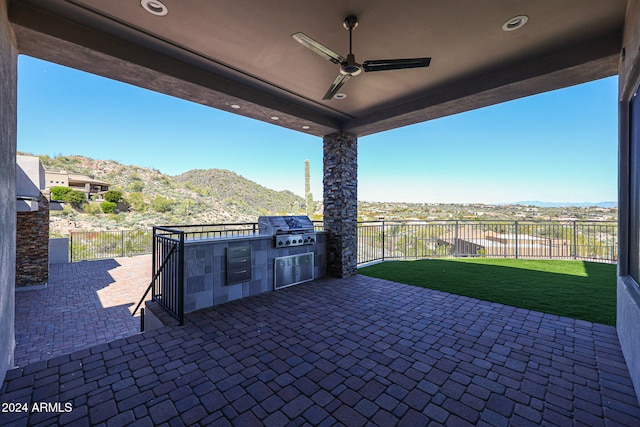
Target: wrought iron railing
<point>168,270</point>
<point>212,231</point>
<point>92,245</point>
<point>393,240</point>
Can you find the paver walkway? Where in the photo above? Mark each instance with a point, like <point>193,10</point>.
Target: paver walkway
<point>358,351</point>
<point>85,304</point>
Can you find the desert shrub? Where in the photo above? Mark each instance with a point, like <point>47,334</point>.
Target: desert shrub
<point>136,201</point>
<point>116,217</point>
<point>161,204</point>
<point>136,186</point>
<point>67,211</point>
<point>92,208</point>
<point>113,196</point>
<point>108,207</point>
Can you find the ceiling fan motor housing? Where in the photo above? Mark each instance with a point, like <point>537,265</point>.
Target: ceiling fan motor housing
<point>351,67</point>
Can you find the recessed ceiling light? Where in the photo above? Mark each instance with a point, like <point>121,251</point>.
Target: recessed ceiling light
<point>340,95</point>
<point>235,106</point>
<point>515,23</point>
<point>275,118</point>
<point>155,7</point>
<point>305,127</point>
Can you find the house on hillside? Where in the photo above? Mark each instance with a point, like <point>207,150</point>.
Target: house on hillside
<point>85,183</point>
<point>471,240</point>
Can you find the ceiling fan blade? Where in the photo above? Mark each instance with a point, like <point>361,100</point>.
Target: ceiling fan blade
<point>318,48</point>
<point>395,64</point>
<point>336,85</point>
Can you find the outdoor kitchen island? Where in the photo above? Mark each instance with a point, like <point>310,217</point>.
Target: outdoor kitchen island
<point>286,251</point>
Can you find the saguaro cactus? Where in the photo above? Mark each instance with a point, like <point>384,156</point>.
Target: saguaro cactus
<point>307,189</point>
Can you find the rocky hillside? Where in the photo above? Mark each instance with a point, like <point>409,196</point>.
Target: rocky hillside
<point>153,198</point>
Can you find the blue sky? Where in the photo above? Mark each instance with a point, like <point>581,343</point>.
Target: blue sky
<point>559,146</point>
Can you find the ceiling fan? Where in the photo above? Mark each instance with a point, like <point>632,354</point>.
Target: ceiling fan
<point>349,67</point>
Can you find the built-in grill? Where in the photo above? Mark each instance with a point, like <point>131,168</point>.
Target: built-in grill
<point>288,230</point>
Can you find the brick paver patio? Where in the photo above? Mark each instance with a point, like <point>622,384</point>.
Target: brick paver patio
<point>357,351</point>
<point>85,304</point>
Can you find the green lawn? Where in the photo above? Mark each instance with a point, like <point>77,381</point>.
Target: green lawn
<point>577,289</point>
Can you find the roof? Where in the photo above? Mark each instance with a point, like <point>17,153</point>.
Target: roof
<point>240,57</point>
<point>86,178</point>
<point>77,177</point>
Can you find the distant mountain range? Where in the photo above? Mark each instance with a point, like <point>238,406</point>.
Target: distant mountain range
<point>538,203</point>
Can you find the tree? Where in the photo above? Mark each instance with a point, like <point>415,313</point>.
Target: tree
<point>113,196</point>
<point>59,193</point>
<point>76,198</point>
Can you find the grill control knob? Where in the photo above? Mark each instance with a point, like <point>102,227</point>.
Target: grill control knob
<point>288,242</point>
<point>311,240</point>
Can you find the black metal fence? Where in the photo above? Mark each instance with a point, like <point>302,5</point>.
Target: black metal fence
<point>168,268</point>
<point>393,240</point>
<point>388,240</point>
<point>92,245</point>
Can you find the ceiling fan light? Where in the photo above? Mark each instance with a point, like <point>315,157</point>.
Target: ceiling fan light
<point>351,69</point>
<point>340,95</point>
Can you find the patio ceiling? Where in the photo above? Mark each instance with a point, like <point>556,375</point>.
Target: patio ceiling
<point>240,53</point>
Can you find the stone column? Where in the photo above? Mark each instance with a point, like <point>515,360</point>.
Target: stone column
<point>341,203</point>
<point>8,120</point>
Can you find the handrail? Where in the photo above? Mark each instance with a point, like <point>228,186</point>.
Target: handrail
<point>153,280</point>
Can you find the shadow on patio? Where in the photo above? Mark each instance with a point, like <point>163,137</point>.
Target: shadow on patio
<point>347,351</point>
<point>85,304</point>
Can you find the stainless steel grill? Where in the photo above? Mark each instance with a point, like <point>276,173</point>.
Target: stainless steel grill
<point>288,231</point>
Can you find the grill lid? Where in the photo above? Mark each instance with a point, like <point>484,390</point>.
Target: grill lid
<point>284,224</point>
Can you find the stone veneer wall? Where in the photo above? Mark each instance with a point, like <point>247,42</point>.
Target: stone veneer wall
<point>341,203</point>
<point>32,246</point>
<point>205,269</point>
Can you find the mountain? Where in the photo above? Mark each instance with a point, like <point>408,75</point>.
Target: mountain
<point>229,186</point>
<point>210,196</point>
<point>538,203</point>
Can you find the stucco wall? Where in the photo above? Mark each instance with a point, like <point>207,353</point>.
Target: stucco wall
<point>29,176</point>
<point>628,306</point>
<point>8,98</point>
